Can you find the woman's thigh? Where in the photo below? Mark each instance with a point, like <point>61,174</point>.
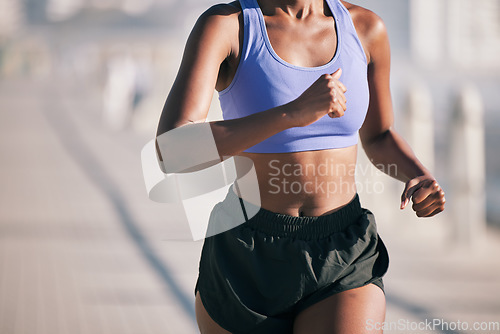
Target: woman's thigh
<point>206,324</point>
<point>351,311</point>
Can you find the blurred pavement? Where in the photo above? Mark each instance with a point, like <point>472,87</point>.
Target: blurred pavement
<point>83,250</point>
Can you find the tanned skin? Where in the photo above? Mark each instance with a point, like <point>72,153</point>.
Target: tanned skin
<point>302,32</point>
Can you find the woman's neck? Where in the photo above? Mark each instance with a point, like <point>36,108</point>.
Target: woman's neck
<point>294,8</point>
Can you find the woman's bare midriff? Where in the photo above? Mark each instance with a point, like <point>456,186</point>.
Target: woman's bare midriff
<point>311,183</point>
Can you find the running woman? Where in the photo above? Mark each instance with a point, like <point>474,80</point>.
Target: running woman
<point>299,82</point>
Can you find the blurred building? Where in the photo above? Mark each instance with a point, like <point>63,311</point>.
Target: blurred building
<point>465,32</point>
<point>12,17</point>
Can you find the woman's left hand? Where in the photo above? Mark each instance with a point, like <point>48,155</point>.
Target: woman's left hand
<point>426,194</point>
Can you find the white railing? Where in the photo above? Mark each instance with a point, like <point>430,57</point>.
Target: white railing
<point>466,167</point>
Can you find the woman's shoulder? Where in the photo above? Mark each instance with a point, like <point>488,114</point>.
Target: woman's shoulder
<point>223,10</point>
<point>364,19</point>
<point>221,19</point>
<point>369,26</point>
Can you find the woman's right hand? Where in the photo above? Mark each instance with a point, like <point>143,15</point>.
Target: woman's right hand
<point>324,96</point>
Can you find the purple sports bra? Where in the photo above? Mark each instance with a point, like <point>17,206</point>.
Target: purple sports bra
<point>263,81</point>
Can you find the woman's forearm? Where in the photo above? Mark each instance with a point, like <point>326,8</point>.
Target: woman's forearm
<point>390,153</point>
<point>236,135</point>
<point>193,146</point>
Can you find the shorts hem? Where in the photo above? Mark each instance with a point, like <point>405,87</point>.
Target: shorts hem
<point>211,314</point>
<point>337,291</point>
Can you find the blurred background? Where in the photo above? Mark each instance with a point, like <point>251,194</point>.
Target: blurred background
<point>83,249</point>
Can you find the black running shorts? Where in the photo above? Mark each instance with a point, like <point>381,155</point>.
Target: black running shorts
<point>256,277</point>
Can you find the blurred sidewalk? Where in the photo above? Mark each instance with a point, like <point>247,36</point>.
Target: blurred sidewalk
<point>83,250</point>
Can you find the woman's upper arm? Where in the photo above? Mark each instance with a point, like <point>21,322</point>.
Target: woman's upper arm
<point>208,45</point>
<point>379,118</point>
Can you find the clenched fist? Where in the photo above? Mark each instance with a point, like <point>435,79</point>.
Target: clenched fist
<point>427,195</point>
<point>324,96</point>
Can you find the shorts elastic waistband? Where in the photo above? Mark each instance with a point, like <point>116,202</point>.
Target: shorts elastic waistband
<point>278,224</point>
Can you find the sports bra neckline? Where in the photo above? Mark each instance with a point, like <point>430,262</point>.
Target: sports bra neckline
<point>263,81</point>
<point>275,55</point>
